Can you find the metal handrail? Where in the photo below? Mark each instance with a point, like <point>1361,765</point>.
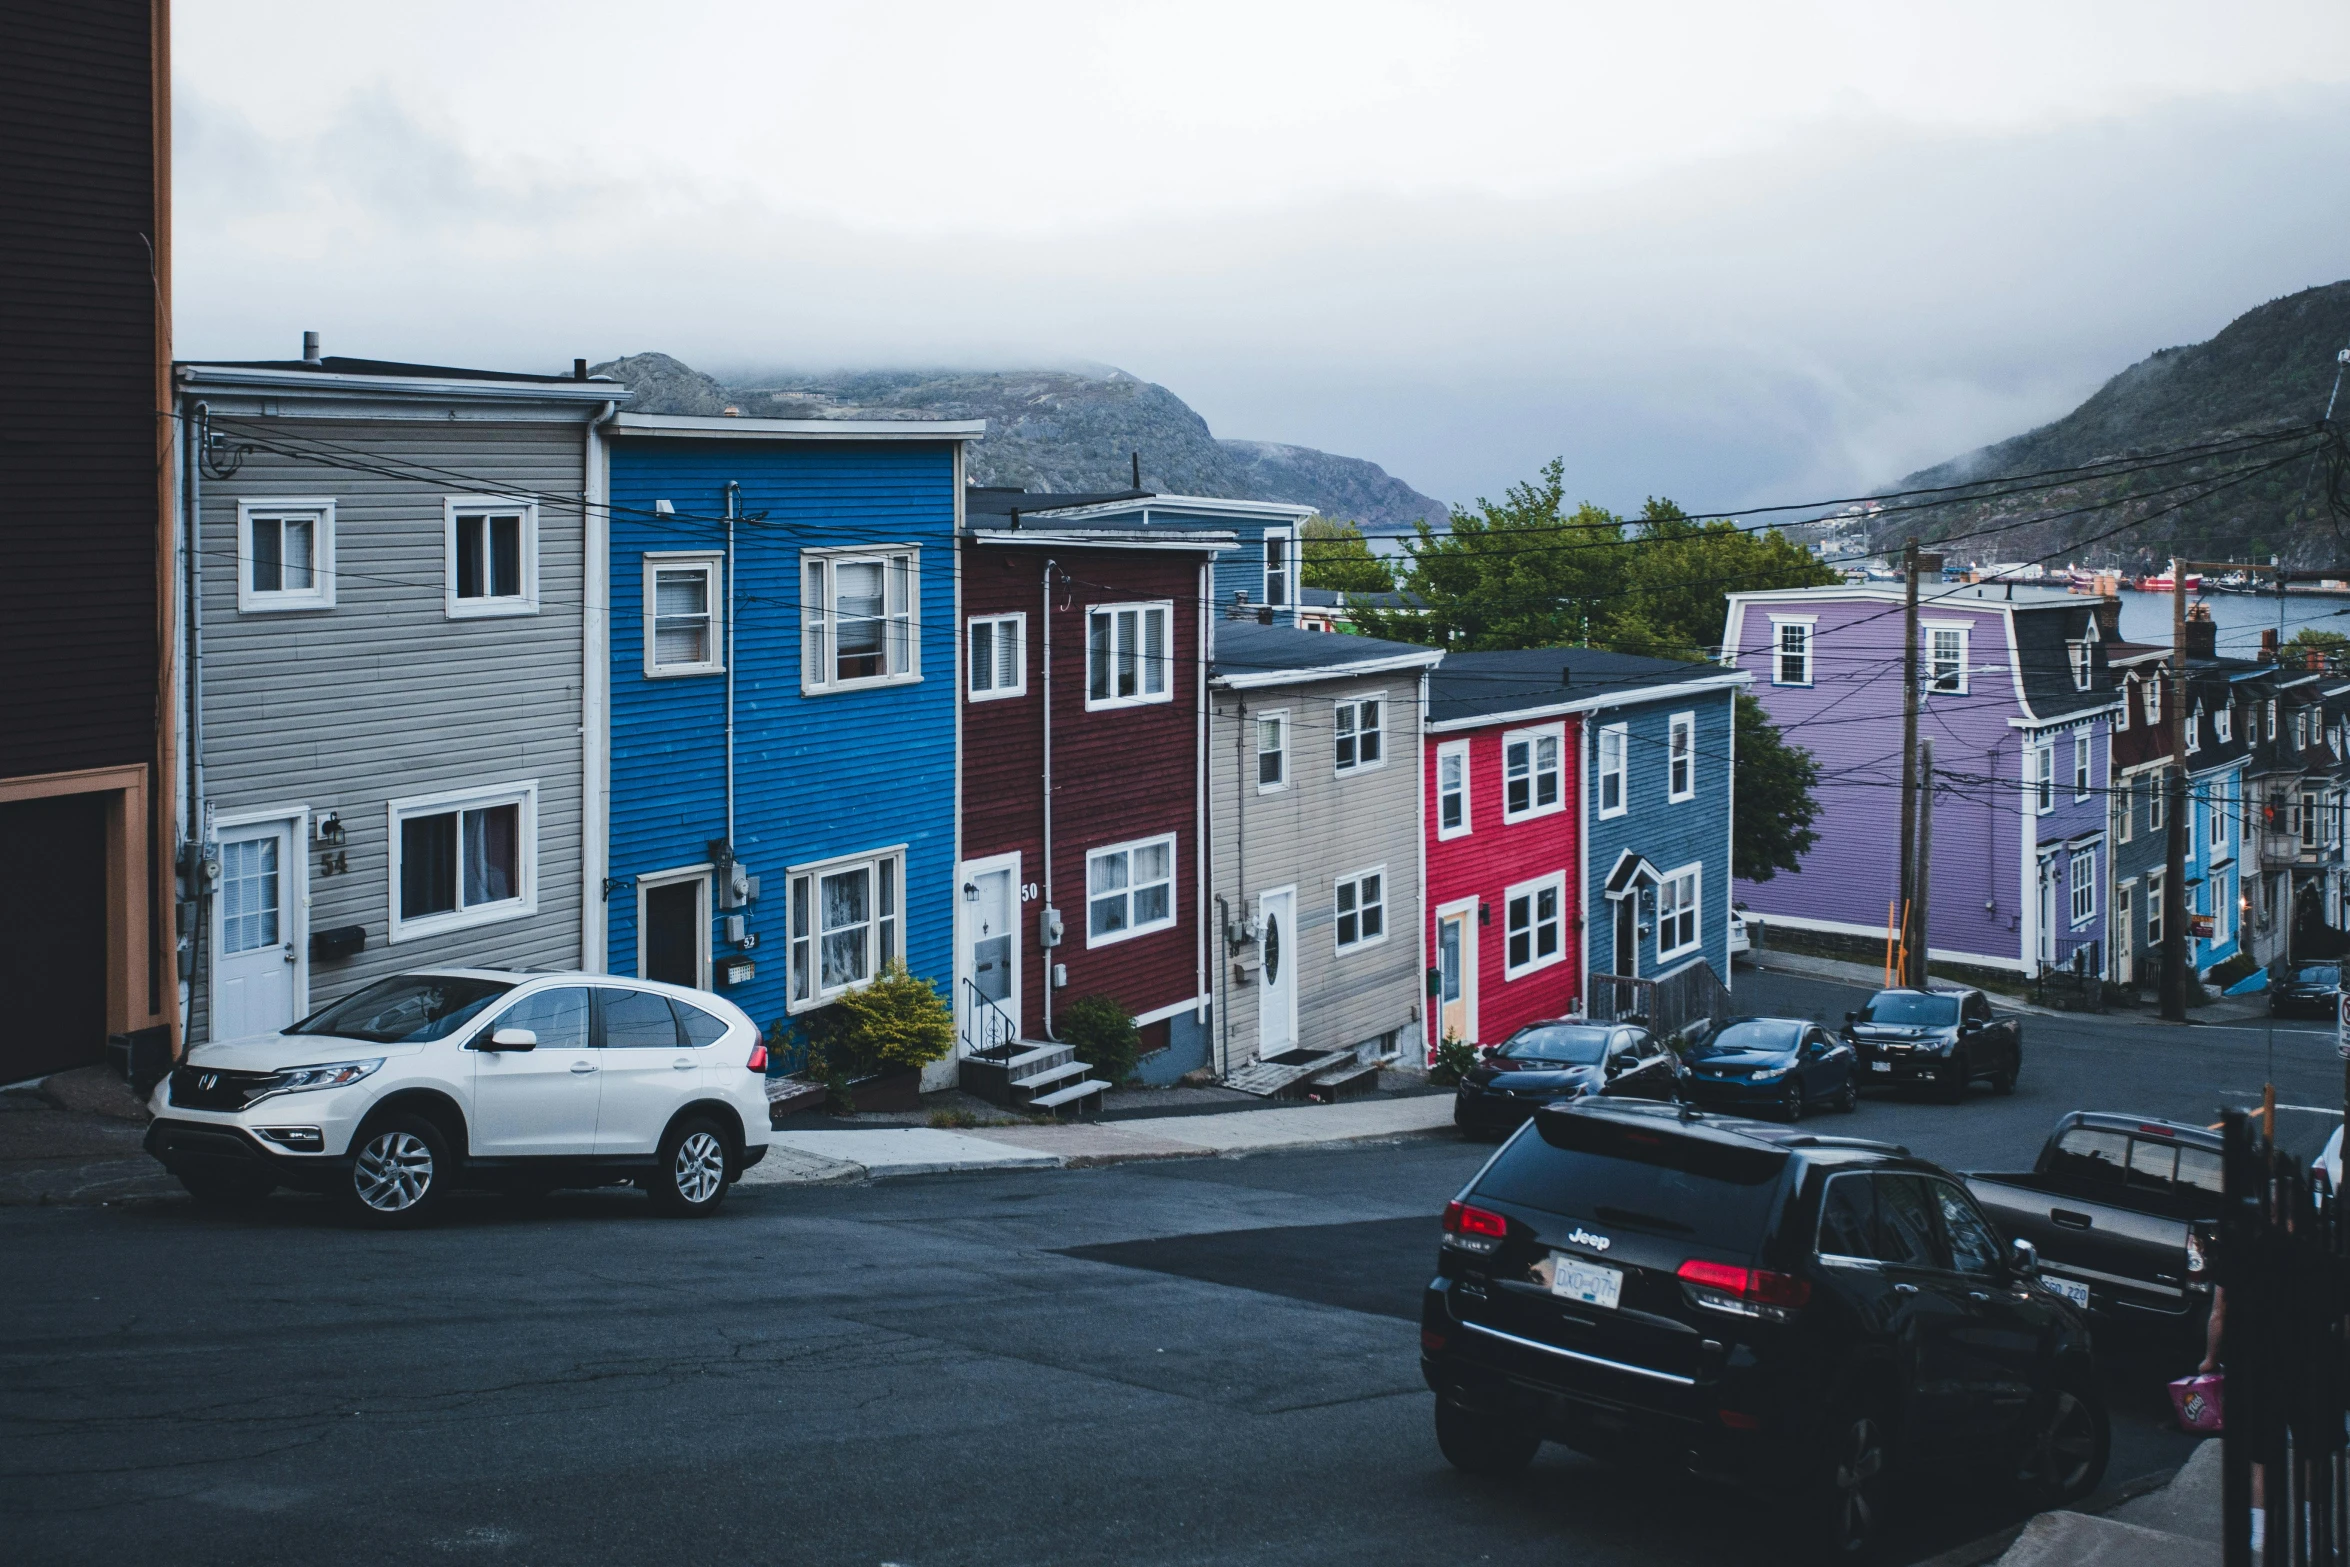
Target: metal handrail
<point>984,1028</point>
<point>1665,1006</point>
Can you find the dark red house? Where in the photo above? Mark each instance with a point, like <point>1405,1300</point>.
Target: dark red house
<point>1083,733</point>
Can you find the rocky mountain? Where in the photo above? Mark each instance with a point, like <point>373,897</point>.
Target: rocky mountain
<point>2269,369</point>
<point>1052,430</point>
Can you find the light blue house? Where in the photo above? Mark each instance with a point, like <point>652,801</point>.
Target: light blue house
<point>777,816</point>
<point>1265,569</point>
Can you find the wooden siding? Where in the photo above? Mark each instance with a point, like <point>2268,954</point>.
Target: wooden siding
<point>1494,856</point>
<point>1668,833</point>
<point>1119,774</point>
<point>78,413</point>
<point>384,696</point>
<point>1307,836</point>
<point>815,776</point>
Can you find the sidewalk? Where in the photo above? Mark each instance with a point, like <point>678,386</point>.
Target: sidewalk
<point>2174,1526</point>
<point>75,1137</point>
<point>815,1157</point>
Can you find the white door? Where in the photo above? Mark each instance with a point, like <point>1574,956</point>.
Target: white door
<point>991,948</point>
<point>2124,934</point>
<point>650,1070</point>
<point>1277,954</point>
<point>540,1101</point>
<point>2048,914</point>
<point>255,958</point>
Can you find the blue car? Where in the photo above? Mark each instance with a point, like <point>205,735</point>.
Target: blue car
<point>1778,1066</point>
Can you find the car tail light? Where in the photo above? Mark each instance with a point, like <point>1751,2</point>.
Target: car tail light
<point>1473,1229</point>
<point>1740,1420</point>
<point>758,1061</point>
<point>1431,1341</point>
<point>1744,1292</point>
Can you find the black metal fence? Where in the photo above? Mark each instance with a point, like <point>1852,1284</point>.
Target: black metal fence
<point>2284,1265</point>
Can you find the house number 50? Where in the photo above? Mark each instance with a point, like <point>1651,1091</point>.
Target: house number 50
<point>1028,892</point>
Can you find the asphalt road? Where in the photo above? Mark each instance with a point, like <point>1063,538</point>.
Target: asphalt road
<point>1197,1361</point>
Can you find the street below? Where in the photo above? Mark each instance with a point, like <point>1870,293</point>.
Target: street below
<point>1182,1361</point>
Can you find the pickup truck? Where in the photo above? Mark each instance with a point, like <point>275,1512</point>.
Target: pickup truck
<point>1944,1039</point>
<point>2119,1207</point>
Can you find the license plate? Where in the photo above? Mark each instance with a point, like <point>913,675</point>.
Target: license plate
<point>1592,1283</point>
<point>2077,1293</point>
<point>1880,1066</point>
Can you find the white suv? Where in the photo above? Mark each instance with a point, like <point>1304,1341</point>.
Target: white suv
<point>475,1077</point>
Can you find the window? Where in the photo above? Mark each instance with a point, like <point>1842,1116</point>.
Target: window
<point>1946,658</point>
<point>639,1020</point>
<point>1791,651</point>
<point>1452,789</point>
<point>464,858</point>
<point>2224,722</point>
<point>685,631</point>
<point>2154,907</point>
<point>2080,764</point>
<point>2081,879</point>
<point>2218,800</point>
<point>844,925</point>
<point>1974,1246</point>
<point>1362,909</point>
<point>2121,716</point>
<point>2078,652</point>
<point>285,555</point>
<point>1681,758</point>
<point>558,1017</point>
<point>1272,752</point>
<point>2223,904</point>
<point>492,549</point>
<point>998,661</point>
<point>2157,790</point>
<point>1530,772</point>
<point>1277,567</point>
<point>2125,819</point>
<point>858,618</point>
<point>1129,890</point>
<point>2272,718</point>
<point>2195,730</point>
<point>1126,655</point>
<point>1614,743</point>
<point>2309,818</point>
<point>1534,924</point>
<point>2300,729</point>
<point>2153,698</point>
<point>1676,914</point>
<point>2043,778</point>
<point>1357,726</point>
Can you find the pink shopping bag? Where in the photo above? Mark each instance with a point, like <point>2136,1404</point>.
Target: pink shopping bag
<point>2199,1400</point>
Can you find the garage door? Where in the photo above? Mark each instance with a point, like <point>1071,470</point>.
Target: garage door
<point>52,934</point>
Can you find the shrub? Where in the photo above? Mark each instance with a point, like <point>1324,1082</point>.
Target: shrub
<point>1454,1057</point>
<point>897,1023</point>
<point>1104,1036</point>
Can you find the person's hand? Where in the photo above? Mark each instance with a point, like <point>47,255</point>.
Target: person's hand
<point>2210,1364</point>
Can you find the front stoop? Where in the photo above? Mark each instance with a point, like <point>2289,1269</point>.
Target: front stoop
<point>1287,1072</point>
<point>1034,1075</point>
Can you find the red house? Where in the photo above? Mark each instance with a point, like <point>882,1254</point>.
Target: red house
<point>1084,732</point>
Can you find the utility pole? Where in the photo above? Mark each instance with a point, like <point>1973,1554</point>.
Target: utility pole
<point>1909,749</point>
<point>1923,880</point>
<point>2174,853</point>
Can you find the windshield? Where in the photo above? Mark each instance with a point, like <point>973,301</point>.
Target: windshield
<point>2317,974</point>
<point>407,1009</point>
<point>1911,1008</point>
<point>1714,1191</point>
<point>1771,1035</point>
<point>1556,1044</point>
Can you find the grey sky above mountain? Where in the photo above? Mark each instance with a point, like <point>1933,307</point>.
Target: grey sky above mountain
<point>1727,253</point>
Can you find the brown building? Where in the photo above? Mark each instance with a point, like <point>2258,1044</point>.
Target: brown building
<point>85,568</point>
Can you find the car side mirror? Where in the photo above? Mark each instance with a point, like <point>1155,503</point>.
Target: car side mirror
<point>2024,1257</point>
<point>1852,1017</point>
<point>1971,1025</point>
<point>513,1039</point>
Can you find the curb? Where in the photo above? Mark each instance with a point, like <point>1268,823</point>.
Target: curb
<point>1990,1547</point>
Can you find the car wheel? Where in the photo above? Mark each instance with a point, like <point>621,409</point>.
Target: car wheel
<point>2003,1080</point>
<point>1484,1442</point>
<point>400,1169</point>
<point>1848,1099</point>
<point>2066,1455</point>
<point>1853,1482</point>
<point>1791,1108</point>
<point>689,1179</point>
<point>229,1191</point>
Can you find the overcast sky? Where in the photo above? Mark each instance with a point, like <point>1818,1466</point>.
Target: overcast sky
<point>1726,252</point>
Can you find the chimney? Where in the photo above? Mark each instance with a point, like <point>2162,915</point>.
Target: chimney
<point>1264,614</point>
<point>1239,604</point>
<point>579,369</point>
<point>310,354</point>
<point>1566,675</point>
<point>2202,637</point>
<point>2268,645</point>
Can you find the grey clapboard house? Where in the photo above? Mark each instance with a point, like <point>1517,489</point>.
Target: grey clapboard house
<point>385,703</point>
<point>1314,813</point>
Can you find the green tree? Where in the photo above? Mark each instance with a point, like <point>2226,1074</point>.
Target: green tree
<point>1523,571</point>
<point>1339,558</point>
<point>1676,573</point>
<point>1773,827</point>
<point>2308,640</point>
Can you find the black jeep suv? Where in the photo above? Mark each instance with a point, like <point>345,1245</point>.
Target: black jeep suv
<point>1806,1316</point>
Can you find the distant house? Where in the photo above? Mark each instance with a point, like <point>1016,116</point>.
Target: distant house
<point>781,683</point>
<point>1081,780</point>
<point>1326,609</point>
<point>2136,804</point>
<point>1314,817</point>
<point>1578,823</point>
<point>1262,572</point>
<point>2017,696</point>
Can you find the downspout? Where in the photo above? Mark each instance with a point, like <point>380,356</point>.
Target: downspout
<point>595,526</point>
<point>191,870</point>
<point>733,493</point>
<point>1045,619</point>
<point>1199,830</point>
<point>1239,838</point>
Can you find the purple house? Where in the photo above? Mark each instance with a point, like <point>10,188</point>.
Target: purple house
<point>2015,697</point>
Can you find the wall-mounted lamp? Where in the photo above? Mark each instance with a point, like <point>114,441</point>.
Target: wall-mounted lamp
<point>664,509</point>
<point>970,892</point>
<point>329,829</point>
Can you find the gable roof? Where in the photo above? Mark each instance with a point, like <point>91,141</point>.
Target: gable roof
<point>1248,654</point>
<point>1482,688</point>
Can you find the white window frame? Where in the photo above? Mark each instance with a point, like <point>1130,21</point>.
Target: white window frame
<point>2309,810</point>
<point>1340,912</point>
<point>2272,718</point>
<point>2121,718</point>
<point>803,919</point>
<point>1954,682</point>
<point>2195,729</point>
<point>485,607</point>
<point>712,565</point>
<point>1809,625</point>
<point>1693,875</point>
<point>2043,780</point>
<point>523,793</point>
<point>2154,902</point>
<point>2126,825</point>
<point>1615,768</point>
<point>651,882</point>
<point>2218,801</point>
<point>820,617</point>
<point>1142,610</point>
<point>1681,753</point>
<point>1346,725</point>
<point>1532,738</point>
<point>2152,696</point>
<point>2080,875</point>
<point>1279,719</point>
<point>1556,884</point>
<point>1173,885</point>
<point>2081,764</point>
<point>2157,801</point>
<point>1281,545</point>
<point>2223,726</point>
<point>2078,654</point>
<point>1014,622</point>
<point>1456,754</point>
<point>2300,729</point>
<point>321,593</point>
